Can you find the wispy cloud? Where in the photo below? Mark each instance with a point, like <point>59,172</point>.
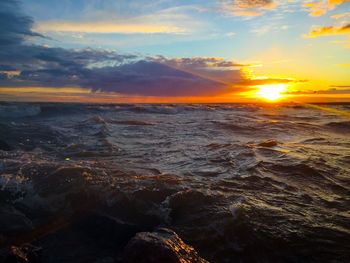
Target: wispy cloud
<point>169,20</point>
<point>106,27</point>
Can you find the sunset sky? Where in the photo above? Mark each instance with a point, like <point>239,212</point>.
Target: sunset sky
<point>174,51</point>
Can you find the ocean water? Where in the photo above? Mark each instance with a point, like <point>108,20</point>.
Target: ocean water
<point>239,183</point>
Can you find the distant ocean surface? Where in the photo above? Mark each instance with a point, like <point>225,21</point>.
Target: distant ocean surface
<point>239,183</point>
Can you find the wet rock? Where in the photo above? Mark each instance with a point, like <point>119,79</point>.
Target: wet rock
<point>268,143</point>
<point>62,180</point>
<point>88,236</point>
<point>4,146</point>
<point>190,207</point>
<point>163,245</point>
<point>106,230</point>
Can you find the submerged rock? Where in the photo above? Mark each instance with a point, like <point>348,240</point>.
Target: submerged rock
<point>163,245</point>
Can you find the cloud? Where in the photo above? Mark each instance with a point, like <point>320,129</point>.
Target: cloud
<point>223,72</point>
<point>152,79</point>
<point>166,20</point>
<point>341,86</point>
<point>248,8</point>
<point>92,69</point>
<point>106,27</point>
<point>96,70</point>
<point>199,63</point>
<point>268,4</point>
<point>230,73</point>
<point>323,6</point>
<point>15,27</point>
<point>329,30</point>
<point>25,65</point>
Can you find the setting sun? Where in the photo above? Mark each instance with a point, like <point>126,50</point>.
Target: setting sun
<point>271,92</point>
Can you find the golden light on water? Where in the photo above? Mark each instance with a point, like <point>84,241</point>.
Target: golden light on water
<point>271,92</point>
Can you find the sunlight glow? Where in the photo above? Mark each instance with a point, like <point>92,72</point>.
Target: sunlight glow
<point>271,92</point>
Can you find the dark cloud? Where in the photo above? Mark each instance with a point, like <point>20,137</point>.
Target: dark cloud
<point>151,78</point>
<point>217,69</point>
<point>14,26</point>
<point>197,62</point>
<point>3,76</point>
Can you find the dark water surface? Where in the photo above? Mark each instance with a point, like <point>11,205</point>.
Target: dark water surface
<point>240,183</point>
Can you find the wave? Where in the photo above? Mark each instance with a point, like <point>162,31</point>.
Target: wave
<point>130,122</point>
<point>19,110</point>
<point>12,110</point>
<point>256,185</point>
<point>342,126</point>
<point>180,108</point>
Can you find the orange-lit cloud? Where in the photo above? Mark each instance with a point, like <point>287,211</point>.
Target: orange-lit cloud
<point>329,30</point>
<point>75,90</point>
<point>323,6</point>
<point>106,27</point>
<point>248,8</point>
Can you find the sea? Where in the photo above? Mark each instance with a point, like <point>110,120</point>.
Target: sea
<point>238,182</point>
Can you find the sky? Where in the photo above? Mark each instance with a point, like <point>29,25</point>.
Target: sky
<point>174,50</point>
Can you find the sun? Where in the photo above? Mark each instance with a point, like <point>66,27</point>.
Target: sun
<point>271,92</point>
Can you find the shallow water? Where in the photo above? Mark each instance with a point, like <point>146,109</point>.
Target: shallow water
<point>240,183</point>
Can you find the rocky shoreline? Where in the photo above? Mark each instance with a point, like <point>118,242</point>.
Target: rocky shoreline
<point>161,245</point>
<point>67,219</point>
